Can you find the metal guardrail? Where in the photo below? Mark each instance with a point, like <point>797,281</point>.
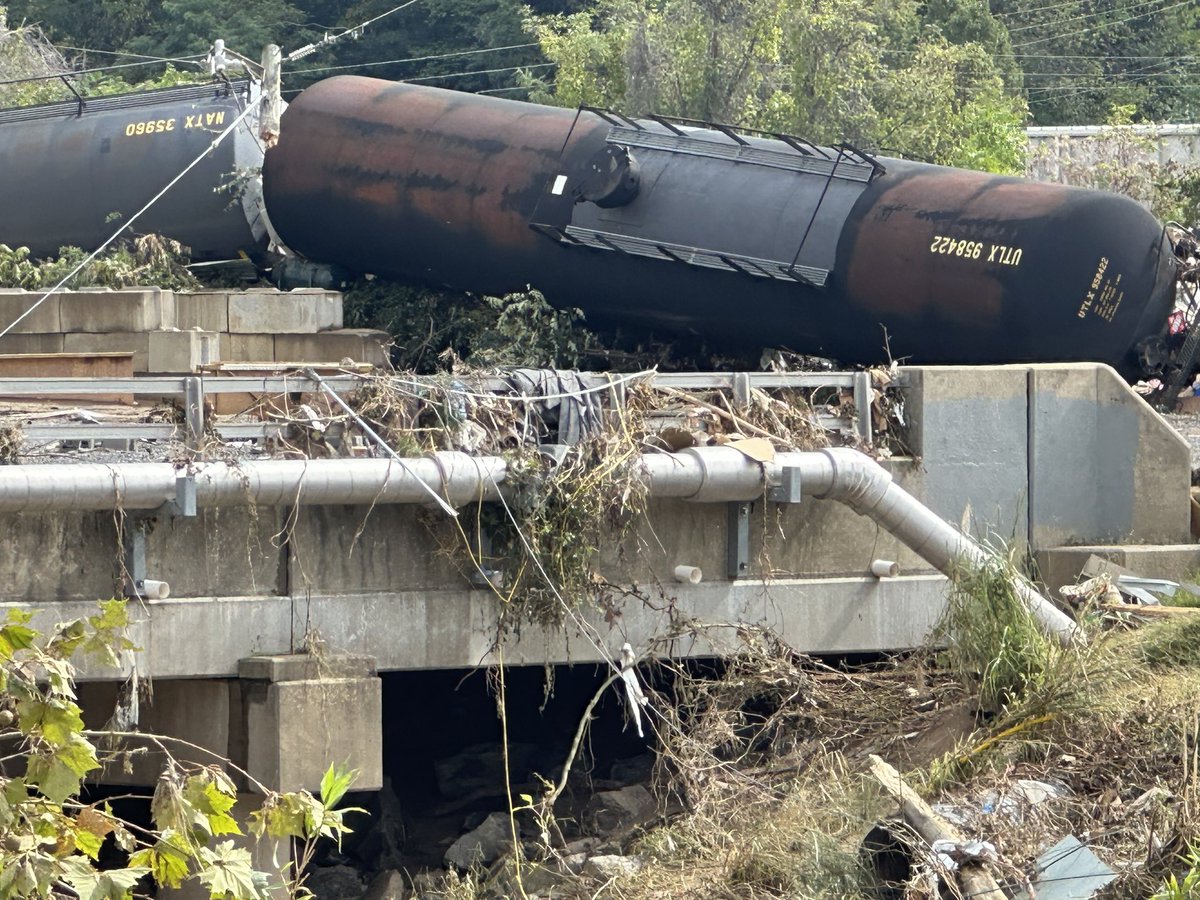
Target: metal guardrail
<point>193,389</point>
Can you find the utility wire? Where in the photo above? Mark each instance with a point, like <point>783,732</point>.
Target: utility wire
<point>413,59</point>
<point>1079,18</point>
<point>76,73</point>
<point>1066,34</point>
<point>309,49</point>
<point>180,59</point>
<point>478,72</point>
<point>91,256</point>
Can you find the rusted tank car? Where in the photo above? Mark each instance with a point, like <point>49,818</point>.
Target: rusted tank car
<point>752,239</point>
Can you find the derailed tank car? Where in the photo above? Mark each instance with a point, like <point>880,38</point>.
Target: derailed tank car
<point>758,240</point>
<point>71,172</point>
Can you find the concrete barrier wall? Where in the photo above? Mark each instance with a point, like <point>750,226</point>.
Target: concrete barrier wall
<point>1046,456</point>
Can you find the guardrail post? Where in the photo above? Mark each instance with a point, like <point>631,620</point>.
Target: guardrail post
<point>193,403</point>
<point>862,404</point>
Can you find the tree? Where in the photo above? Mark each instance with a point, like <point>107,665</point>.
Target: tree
<point>25,53</point>
<point>882,75</point>
<point>1081,58</point>
<point>100,24</point>
<point>50,837</point>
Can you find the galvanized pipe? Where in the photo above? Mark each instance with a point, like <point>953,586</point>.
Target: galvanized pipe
<point>706,475</point>
<point>852,478</point>
<point>456,477</point>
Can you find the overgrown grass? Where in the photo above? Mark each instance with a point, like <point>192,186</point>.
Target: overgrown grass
<point>996,646</point>
<point>1174,643</point>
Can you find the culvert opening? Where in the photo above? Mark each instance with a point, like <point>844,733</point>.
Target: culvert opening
<point>445,769</point>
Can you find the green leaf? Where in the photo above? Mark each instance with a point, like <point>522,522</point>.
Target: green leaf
<point>108,638</point>
<point>54,721</point>
<point>88,843</point>
<point>166,862</point>
<point>67,639</point>
<point>59,774</point>
<point>212,795</point>
<point>92,884</point>
<point>228,873</point>
<point>16,635</point>
<point>335,783</point>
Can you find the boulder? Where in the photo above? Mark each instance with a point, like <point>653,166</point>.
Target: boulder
<point>388,885</point>
<point>483,846</point>
<point>334,882</point>
<point>608,811</point>
<point>610,867</point>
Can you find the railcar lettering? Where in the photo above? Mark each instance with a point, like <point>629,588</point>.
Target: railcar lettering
<point>948,246</point>
<point>149,126</point>
<point>1103,297</point>
<point>205,120</point>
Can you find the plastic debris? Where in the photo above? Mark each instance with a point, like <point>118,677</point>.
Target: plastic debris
<point>1068,871</point>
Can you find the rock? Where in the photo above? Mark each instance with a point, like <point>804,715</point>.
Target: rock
<point>483,846</point>
<point>574,862</point>
<point>584,845</point>
<point>480,768</point>
<point>334,882</point>
<point>610,810</point>
<point>540,879</point>
<point>388,885</point>
<point>633,769</point>
<point>382,845</point>
<point>609,867</point>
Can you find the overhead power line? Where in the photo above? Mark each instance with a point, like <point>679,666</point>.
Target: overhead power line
<point>1125,21</point>
<point>414,59</point>
<point>356,31</point>
<point>1081,17</point>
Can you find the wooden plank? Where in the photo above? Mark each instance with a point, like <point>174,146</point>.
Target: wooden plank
<point>975,880</point>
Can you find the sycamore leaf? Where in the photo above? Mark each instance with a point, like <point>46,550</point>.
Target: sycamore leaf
<point>335,783</point>
<point>91,828</point>
<point>93,884</point>
<point>213,797</point>
<point>19,878</point>
<point>167,862</point>
<point>281,816</point>
<point>58,775</point>
<point>108,638</point>
<point>88,844</point>
<point>14,637</point>
<point>67,639</point>
<point>55,721</point>
<point>227,872</point>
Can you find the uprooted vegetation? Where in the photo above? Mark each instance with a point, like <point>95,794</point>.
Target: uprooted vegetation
<point>763,775</point>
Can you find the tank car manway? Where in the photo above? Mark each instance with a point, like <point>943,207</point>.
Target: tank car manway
<point>745,238</point>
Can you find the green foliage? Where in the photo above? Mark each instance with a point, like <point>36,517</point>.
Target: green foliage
<point>547,539</point>
<point>1080,57</point>
<point>997,648</point>
<point>1125,160</point>
<point>435,329</point>
<point>1187,888</point>
<point>878,74</point>
<point>1171,644</point>
<point>190,26</point>
<point>25,53</point>
<point>49,839</point>
<point>148,259</point>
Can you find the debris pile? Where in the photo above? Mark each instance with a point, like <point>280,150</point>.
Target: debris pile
<point>1001,768</point>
